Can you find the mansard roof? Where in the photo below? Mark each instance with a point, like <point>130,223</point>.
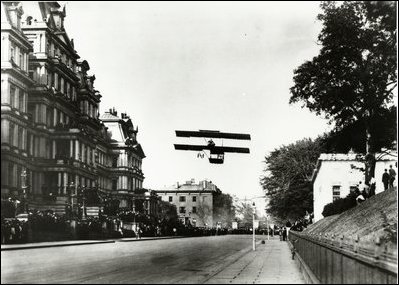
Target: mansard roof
<point>139,150</point>
<point>42,15</point>
<point>109,117</point>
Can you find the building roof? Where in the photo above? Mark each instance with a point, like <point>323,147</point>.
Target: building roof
<point>107,116</point>
<point>384,155</point>
<point>190,186</point>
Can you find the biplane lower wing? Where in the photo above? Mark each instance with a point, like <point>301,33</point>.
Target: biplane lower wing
<point>214,149</point>
<point>190,147</point>
<point>223,149</point>
<point>213,134</point>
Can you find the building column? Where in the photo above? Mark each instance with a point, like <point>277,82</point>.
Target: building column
<point>71,148</point>
<point>55,116</point>
<point>77,150</point>
<point>42,43</point>
<point>76,183</point>
<point>36,117</point>
<point>64,190</point>
<point>83,151</point>
<point>54,149</point>
<point>59,183</point>
<point>56,81</point>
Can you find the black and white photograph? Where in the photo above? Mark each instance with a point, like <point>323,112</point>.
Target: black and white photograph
<point>199,142</point>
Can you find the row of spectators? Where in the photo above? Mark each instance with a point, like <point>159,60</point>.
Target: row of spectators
<point>13,231</point>
<point>47,223</point>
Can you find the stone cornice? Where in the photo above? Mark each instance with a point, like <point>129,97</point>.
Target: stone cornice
<point>17,73</point>
<point>19,36</point>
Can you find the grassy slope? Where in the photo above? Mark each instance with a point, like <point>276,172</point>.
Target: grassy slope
<point>366,220</point>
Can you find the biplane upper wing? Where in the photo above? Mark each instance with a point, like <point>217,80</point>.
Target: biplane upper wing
<point>214,149</point>
<point>213,134</point>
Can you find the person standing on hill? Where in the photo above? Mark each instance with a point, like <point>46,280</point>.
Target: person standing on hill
<point>385,179</point>
<point>372,186</point>
<point>392,175</point>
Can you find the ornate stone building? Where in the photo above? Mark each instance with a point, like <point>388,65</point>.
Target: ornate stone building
<point>16,126</point>
<point>126,157</point>
<point>52,138</point>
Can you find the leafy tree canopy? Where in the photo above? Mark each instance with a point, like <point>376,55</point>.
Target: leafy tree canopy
<point>291,164</point>
<point>223,209</point>
<point>353,77</point>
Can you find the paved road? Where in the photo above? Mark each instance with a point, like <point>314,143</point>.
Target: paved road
<point>219,259</point>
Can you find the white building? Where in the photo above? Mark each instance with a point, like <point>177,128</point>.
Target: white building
<point>336,174</point>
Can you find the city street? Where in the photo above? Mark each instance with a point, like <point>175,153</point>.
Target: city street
<point>217,259</point>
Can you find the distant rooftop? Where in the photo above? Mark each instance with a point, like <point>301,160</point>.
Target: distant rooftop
<point>190,185</point>
<point>383,155</point>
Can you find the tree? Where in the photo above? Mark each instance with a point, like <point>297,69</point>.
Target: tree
<point>223,209</point>
<point>290,164</point>
<point>353,77</point>
<point>204,212</point>
<point>287,178</point>
<point>167,211</point>
<point>244,213</point>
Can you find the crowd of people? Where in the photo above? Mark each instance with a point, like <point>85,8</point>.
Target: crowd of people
<point>363,192</point>
<point>13,231</point>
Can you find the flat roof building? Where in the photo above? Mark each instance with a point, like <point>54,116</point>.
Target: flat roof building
<point>194,201</point>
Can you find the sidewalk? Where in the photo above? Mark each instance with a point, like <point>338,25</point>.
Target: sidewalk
<point>5,247</point>
<point>271,263</point>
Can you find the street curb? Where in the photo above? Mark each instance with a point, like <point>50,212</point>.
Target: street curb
<point>148,239</point>
<point>84,243</point>
<point>96,242</point>
<point>55,245</point>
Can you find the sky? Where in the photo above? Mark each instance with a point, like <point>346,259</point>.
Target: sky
<point>224,66</point>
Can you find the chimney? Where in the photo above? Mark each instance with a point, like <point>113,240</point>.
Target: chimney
<point>177,185</point>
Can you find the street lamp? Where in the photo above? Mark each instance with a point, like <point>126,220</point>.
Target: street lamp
<point>24,187</point>
<point>71,195</point>
<point>253,219</point>
<point>82,194</point>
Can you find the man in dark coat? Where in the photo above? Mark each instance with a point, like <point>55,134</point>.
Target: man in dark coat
<point>385,179</point>
<point>392,175</point>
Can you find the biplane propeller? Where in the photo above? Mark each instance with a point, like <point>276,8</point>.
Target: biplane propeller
<point>216,152</point>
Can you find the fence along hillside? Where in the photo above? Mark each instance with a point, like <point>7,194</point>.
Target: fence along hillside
<point>377,217</point>
<point>357,246</point>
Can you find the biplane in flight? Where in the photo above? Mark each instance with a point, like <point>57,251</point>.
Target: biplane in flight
<point>216,152</point>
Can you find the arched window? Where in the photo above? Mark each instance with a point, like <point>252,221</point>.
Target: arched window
<point>29,20</point>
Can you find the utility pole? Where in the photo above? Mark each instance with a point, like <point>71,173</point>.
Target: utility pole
<point>253,226</point>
